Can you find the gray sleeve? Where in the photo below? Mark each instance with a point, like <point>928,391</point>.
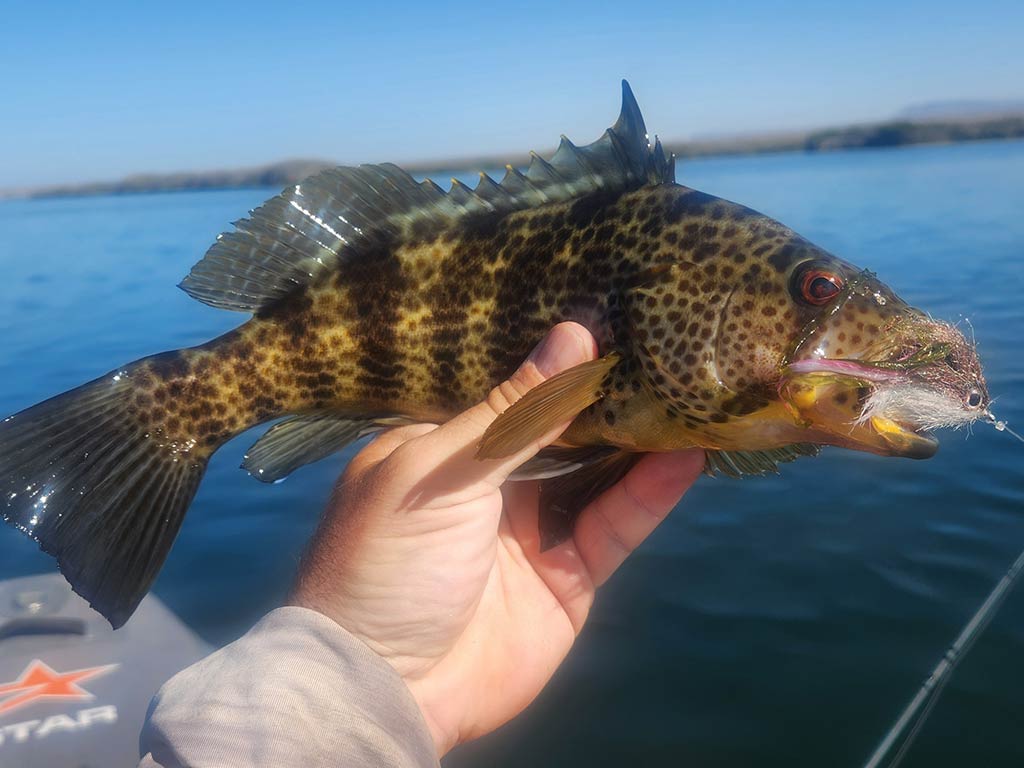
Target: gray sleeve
<point>296,690</point>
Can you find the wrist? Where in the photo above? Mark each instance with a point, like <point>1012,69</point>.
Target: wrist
<point>414,677</point>
<point>445,736</point>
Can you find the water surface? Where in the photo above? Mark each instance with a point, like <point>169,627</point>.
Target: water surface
<point>772,622</point>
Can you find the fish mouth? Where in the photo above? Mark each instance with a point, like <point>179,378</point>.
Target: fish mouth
<point>838,401</point>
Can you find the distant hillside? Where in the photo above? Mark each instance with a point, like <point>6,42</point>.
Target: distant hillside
<point>888,134</point>
<point>962,109</point>
<point>275,175</point>
<point>895,133</point>
<point>278,175</point>
<point>906,132</point>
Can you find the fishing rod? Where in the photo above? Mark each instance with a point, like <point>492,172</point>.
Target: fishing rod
<point>910,721</point>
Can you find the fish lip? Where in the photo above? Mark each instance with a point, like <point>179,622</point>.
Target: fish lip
<point>924,447</point>
<point>874,434</point>
<point>855,369</point>
<point>906,440</point>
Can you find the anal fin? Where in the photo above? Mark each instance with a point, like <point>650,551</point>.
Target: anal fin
<point>301,440</point>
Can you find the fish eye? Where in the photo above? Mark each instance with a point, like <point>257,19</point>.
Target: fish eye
<point>974,398</point>
<point>814,284</point>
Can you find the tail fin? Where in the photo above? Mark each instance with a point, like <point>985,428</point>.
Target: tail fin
<point>81,476</point>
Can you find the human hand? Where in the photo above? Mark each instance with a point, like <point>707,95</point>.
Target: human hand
<point>429,560</point>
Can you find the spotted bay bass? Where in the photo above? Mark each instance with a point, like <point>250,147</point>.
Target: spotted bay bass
<point>377,299</point>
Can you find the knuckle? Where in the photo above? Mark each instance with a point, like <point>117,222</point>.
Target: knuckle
<point>642,505</point>
<point>360,464</point>
<point>611,535</point>
<point>599,537</point>
<point>513,388</point>
<point>525,378</point>
<point>403,459</point>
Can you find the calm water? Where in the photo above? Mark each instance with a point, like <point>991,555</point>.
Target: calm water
<point>776,622</point>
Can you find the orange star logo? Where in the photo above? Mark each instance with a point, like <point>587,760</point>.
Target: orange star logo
<point>39,682</point>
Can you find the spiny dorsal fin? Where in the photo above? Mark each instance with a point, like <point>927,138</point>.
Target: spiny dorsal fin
<point>310,227</point>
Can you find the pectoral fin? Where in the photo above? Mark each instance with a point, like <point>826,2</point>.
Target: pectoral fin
<point>557,401</point>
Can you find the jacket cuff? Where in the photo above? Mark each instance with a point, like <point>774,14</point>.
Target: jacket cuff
<point>297,689</point>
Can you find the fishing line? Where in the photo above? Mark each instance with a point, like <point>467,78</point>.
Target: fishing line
<point>917,711</point>
<point>1003,427</point>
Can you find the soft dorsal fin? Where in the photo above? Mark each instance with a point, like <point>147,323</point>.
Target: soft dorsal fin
<point>311,226</point>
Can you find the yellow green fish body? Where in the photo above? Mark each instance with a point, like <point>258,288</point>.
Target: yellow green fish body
<point>376,299</point>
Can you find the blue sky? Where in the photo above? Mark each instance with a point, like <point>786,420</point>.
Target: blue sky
<point>98,90</point>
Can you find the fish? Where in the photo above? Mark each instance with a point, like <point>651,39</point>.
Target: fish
<point>376,299</point>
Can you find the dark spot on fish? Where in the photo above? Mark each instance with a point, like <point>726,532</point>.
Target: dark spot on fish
<point>590,209</point>
<point>705,250</point>
<point>169,365</point>
<point>783,257</point>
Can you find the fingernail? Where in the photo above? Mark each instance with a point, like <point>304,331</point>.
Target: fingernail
<point>561,349</point>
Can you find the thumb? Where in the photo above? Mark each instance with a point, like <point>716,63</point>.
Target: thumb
<point>446,455</point>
